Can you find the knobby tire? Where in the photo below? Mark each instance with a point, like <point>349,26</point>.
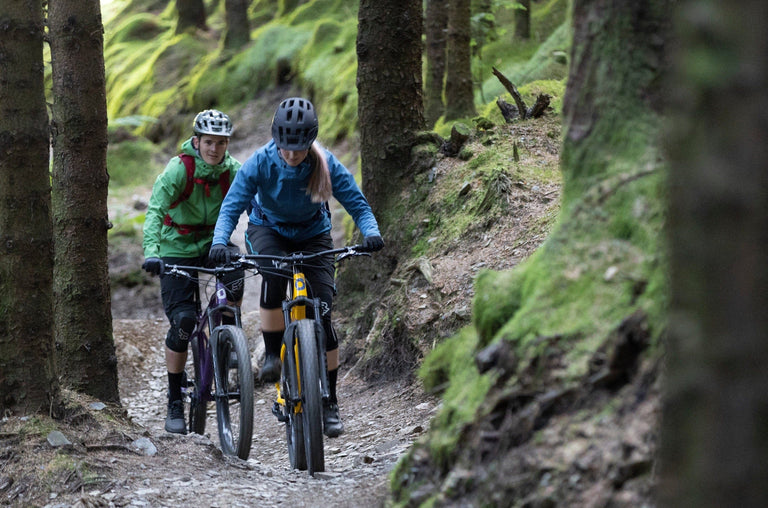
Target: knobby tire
<point>234,391</point>
<point>311,395</point>
<point>197,406</point>
<point>294,427</point>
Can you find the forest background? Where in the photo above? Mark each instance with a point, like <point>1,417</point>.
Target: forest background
<point>582,319</point>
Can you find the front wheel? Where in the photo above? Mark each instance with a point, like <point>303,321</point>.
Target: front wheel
<point>197,403</point>
<point>234,390</point>
<point>311,394</point>
<point>294,427</point>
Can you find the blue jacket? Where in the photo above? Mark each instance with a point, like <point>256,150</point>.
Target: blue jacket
<point>282,201</point>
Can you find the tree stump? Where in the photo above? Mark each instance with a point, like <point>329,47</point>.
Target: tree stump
<point>459,135</point>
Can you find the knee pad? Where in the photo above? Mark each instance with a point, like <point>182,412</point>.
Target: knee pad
<point>234,285</point>
<point>182,326</point>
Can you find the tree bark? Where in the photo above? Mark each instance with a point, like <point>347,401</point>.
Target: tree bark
<point>436,24</point>
<point>83,320</point>
<point>459,92</point>
<point>191,13</point>
<point>523,20</point>
<point>715,451</point>
<point>27,376</point>
<point>389,83</point>
<point>238,29</point>
<point>594,104</point>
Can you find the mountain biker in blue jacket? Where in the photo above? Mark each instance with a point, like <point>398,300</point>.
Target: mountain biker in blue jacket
<point>178,230</point>
<point>287,184</point>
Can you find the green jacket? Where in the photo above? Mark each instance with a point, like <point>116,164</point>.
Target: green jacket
<point>161,240</point>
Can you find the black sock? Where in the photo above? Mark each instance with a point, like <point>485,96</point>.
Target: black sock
<point>272,342</point>
<point>333,375</point>
<point>174,386</point>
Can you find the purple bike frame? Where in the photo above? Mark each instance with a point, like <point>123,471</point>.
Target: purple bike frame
<point>204,353</point>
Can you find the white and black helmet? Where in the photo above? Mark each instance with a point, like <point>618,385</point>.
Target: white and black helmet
<point>294,126</point>
<point>212,121</point>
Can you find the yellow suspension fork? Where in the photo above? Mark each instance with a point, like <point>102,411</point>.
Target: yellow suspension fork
<point>297,312</point>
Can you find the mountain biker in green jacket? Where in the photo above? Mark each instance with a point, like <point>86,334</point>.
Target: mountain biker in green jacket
<point>178,229</point>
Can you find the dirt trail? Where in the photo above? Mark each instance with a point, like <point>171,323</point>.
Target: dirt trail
<point>380,424</point>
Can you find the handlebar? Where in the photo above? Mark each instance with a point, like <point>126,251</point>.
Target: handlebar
<point>300,257</point>
<point>249,261</point>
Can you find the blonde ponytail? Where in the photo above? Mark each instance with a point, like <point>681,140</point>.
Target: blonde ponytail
<point>319,187</point>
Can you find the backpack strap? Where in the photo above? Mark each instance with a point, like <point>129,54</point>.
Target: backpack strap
<point>189,165</point>
<point>224,183</point>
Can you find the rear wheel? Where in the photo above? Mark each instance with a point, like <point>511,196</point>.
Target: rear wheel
<point>294,428</point>
<point>234,391</point>
<point>198,407</point>
<point>311,395</point>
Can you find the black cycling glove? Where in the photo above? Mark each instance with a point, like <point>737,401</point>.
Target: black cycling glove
<point>220,254</point>
<point>373,243</point>
<point>154,266</point>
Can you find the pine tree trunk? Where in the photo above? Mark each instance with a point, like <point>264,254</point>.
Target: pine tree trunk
<point>83,320</point>
<point>238,29</point>
<point>459,93</point>
<point>191,13</point>
<point>715,451</point>
<point>523,20</point>
<point>436,24</point>
<point>596,105</point>
<point>27,378</point>
<point>389,83</point>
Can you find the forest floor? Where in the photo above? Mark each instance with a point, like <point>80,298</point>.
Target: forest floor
<point>120,455</point>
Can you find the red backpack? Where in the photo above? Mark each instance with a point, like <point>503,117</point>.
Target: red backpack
<point>189,164</point>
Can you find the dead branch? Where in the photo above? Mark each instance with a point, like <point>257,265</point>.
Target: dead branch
<point>512,91</point>
<point>538,109</point>
<point>510,112</point>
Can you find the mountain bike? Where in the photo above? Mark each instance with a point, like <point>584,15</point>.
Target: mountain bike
<point>221,366</point>
<point>303,385</point>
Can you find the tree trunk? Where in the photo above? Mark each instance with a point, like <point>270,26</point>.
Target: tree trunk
<point>390,108</point>
<point>436,24</point>
<point>238,29</point>
<point>596,105</point>
<point>83,320</point>
<point>459,94</point>
<point>191,13</point>
<point>714,446</point>
<point>523,20</point>
<point>27,377</point>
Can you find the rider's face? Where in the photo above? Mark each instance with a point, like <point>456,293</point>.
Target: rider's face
<point>212,147</point>
<point>293,157</point>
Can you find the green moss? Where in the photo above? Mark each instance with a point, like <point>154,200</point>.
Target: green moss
<point>450,368</point>
<point>132,163</point>
<point>543,63</point>
<point>137,27</point>
<point>226,81</point>
<point>498,296</point>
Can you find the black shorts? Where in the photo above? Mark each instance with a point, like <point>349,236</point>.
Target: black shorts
<point>320,274</point>
<point>180,293</point>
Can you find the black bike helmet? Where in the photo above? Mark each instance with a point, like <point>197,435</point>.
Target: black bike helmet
<point>212,121</point>
<point>294,126</point>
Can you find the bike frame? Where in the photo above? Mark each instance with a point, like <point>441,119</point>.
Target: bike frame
<point>207,321</point>
<point>294,309</point>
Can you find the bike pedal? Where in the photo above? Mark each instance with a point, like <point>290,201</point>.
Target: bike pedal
<point>279,414</point>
